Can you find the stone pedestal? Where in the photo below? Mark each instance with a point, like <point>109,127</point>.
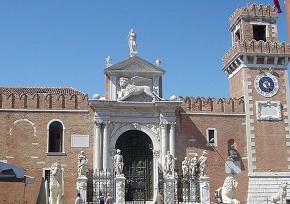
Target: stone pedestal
<point>120,189</point>
<point>204,190</point>
<point>194,190</point>
<point>169,190</point>
<point>185,190</point>
<point>82,187</point>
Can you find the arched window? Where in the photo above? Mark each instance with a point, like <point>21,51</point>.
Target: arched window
<point>55,137</point>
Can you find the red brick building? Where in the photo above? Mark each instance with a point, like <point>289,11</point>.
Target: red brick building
<point>40,126</point>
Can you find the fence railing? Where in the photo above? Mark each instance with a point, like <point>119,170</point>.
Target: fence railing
<point>100,184</point>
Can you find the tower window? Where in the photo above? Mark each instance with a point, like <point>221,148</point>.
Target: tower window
<point>259,32</point>
<point>237,35</point>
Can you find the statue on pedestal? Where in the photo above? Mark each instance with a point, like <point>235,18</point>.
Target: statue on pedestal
<point>82,164</point>
<point>225,194</point>
<point>185,168</point>
<point>132,42</point>
<point>194,165</point>
<point>168,165</point>
<point>55,185</point>
<point>203,163</point>
<point>119,163</point>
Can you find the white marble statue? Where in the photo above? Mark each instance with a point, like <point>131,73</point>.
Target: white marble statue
<point>119,163</point>
<point>109,61</point>
<point>194,165</point>
<point>132,36</point>
<point>281,195</point>
<point>168,164</point>
<point>202,161</point>
<point>55,184</point>
<point>127,90</point>
<point>82,164</point>
<point>233,153</point>
<point>225,194</point>
<point>185,168</point>
<point>158,62</point>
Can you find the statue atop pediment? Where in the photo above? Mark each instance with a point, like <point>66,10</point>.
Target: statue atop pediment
<point>132,43</point>
<point>134,87</point>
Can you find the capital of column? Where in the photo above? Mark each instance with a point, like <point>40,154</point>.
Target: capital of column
<point>107,124</point>
<point>163,125</point>
<point>172,124</point>
<point>98,124</point>
<point>156,153</point>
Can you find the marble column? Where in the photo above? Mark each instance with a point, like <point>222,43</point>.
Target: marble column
<point>106,146</point>
<point>164,142</point>
<point>97,144</point>
<point>172,141</point>
<point>156,156</point>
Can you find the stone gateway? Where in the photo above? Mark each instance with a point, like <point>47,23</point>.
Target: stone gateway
<point>133,144</point>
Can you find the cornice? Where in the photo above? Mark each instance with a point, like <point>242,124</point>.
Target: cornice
<point>161,105</point>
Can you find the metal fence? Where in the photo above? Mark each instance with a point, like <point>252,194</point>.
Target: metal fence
<point>100,184</point>
<point>187,189</point>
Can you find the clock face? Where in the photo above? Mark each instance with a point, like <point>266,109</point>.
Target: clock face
<point>266,84</point>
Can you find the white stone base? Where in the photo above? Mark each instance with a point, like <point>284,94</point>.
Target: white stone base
<point>263,185</point>
<point>204,190</point>
<point>82,187</point>
<point>120,189</point>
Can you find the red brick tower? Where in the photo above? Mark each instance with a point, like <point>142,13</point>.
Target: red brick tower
<point>256,67</point>
<point>287,5</point>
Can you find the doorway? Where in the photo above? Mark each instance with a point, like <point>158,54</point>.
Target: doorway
<point>137,150</point>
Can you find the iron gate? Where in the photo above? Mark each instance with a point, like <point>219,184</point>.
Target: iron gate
<point>99,184</point>
<point>135,188</point>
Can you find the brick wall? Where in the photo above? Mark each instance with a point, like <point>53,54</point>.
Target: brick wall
<point>23,141</point>
<point>269,137</point>
<point>191,138</point>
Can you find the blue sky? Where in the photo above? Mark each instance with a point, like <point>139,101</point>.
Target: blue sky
<point>64,43</point>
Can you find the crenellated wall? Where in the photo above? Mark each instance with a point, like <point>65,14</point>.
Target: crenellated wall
<point>253,46</point>
<point>42,98</point>
<point>213,105</point>
<point>253,10</point>
<point>26,114</point>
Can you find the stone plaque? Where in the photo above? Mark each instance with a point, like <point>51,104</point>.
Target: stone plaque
<point>80,141</point>
<point>268,110</point>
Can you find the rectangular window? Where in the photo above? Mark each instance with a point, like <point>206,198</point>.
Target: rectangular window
<point>237,35</point>
<point>212,136</point>
<point>259,32</point>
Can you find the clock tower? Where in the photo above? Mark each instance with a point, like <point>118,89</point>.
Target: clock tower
<point>256,67</point>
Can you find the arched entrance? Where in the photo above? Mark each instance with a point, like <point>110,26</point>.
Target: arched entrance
<point>137,150</point>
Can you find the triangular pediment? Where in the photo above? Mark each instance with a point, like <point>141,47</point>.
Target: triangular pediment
<point>134,65</point>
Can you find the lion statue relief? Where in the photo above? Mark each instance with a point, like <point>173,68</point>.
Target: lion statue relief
<point>127,90</point>
<point>55,184</point>
<point>225,194</point>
